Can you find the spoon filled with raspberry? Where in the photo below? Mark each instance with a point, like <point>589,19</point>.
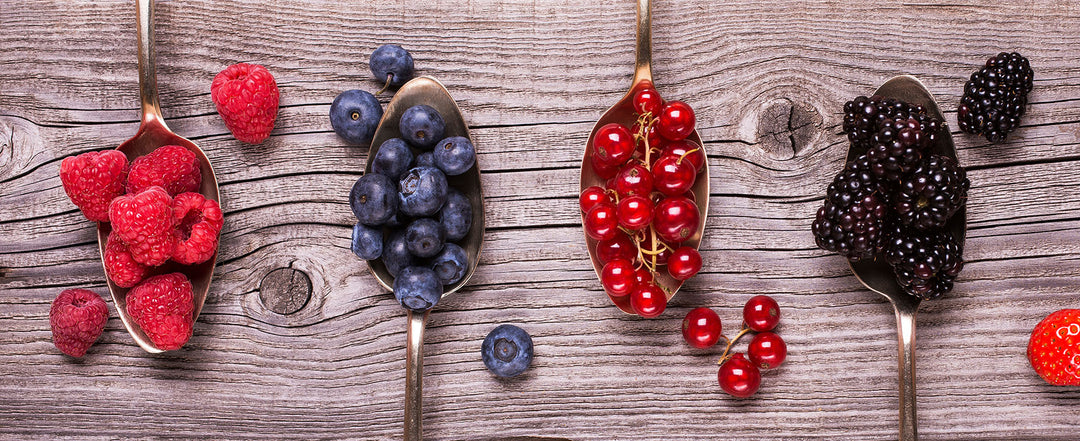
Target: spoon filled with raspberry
<point>159,247</point>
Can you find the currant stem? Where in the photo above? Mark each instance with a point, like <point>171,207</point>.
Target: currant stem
<point>679,161</point>
<point>731,342</point>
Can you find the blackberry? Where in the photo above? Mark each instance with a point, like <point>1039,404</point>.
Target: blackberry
<point>853,217</point>
<point>995,97</point>
<point>929,196</point>
<point>925,262</point>
<point>897,149</point>
<point>864,117</point>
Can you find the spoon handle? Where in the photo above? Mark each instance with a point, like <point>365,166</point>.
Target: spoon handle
<point>643,49</point>
<point>905,328</point>
<point>414,377</point>
<point>148,93</point>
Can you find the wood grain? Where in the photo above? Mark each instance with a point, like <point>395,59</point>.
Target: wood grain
<point>767,80</point>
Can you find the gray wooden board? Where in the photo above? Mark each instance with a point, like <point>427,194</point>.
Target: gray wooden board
<point>767,80</point>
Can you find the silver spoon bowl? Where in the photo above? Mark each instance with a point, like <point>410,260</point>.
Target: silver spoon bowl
<point>429,91</point>
<point>153,133</point>
<point>878,277</point>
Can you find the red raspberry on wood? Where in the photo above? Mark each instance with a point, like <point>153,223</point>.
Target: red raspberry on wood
<point>77,318</point>
<point>92,180</point>
<point>246,97</point>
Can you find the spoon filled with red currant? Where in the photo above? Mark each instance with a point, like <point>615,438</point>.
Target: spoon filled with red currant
<point>644,191</point>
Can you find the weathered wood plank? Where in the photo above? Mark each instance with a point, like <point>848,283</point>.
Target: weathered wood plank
<point>767,80</point>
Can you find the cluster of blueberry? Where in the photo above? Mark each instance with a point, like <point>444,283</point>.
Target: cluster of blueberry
<point>409,216</point>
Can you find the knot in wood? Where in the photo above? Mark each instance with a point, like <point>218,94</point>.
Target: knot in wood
<point>786,128</point>
<point>285,290</point>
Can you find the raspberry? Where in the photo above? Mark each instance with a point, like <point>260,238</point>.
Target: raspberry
<point>120,267</point>
<point>174,168</point>
<point>77,317</point>
<point>164,306</point>
<point>144,222</point>
<point>198,221</point>
<point>93,179</point>
<point>247,100</point>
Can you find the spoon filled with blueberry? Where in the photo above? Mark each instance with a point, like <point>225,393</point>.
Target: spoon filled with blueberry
<point>420,214</point>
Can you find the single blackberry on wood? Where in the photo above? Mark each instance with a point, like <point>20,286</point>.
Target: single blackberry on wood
<point>931,194</point>
<point>995,97</point>
<point>852,220</point>
<point>897,149</point>
<point>864,117</point>
<point>925,262</point>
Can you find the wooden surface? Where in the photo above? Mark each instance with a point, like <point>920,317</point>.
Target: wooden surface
<point>767,79</point>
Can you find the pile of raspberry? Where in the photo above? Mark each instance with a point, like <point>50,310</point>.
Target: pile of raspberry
<point>895,200</point>
<point>157,216</point>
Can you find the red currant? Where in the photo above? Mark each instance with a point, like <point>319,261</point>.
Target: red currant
<point>604,171</point>
<point>618,247</point>
<point>613,145</point>
<point>676,219</point>
<point>601,223</point>
<point>690,149</point>
<point>701,328</point>
<point>676,120</point>
<point>618,277</point>
<point>673,176</point>
<point>660,250</point>
<point>738,377</point>
<point>761,313</point>
<point>647,101</point>
<point>767,350</point>
<point>635,212</point>
<point>648,300</point>
<point>655,141</point>
<point>592,196</point>
<point>642,275</point>
<point>633,179</point>
<point>684,263</point>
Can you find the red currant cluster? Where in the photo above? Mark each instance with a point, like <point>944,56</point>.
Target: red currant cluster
<point>740,376</point>
<point>646,210</point>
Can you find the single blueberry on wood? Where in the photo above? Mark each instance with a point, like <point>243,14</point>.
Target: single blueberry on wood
<point>391,64</point>
<point>354,115</point>
<point>507,351</point>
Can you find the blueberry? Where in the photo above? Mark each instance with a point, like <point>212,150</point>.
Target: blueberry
<point>395,255</point>
<point>507,351</point>
<point>455,155</point>
<point>373,199</point>
<point>456,215</point>
<point>425,237</point>
<point>422,191</point>
<point>417,288</point>
<point>426,159</point>
<point>422,126</point>
<point>392,159</point>
<point>451,264</point>
<point>391,64</point>
<point>355,114</point>
<point>366,241</point>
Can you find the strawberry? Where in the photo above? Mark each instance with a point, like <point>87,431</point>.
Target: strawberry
<point>93,179</point>
<point>246,97</point>
<point>1054,349</point>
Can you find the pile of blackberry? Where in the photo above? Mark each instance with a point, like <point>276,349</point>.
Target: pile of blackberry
<point>996,96</point>
<point>895,199</point>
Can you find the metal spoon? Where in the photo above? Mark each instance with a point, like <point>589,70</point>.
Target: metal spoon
<point>623,112</point>
<point>153,133</point>
<point>429,91</point>
<point>878,277</point>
